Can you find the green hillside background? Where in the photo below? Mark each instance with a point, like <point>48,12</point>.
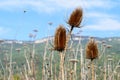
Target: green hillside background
<point>26,47</point>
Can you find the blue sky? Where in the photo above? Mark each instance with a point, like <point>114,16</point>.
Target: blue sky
<point>101,17</point>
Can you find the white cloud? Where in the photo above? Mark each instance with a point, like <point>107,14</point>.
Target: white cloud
<point>98,15</point>
<point>105,24</point>
<point>52,5</point>
<point>105,20</point>
<point>13,5</point>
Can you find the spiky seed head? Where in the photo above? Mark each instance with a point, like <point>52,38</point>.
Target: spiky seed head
<point>110,59</point>
<point>76,17</point>
<point>18,50</point>
<point>60,38</point>
<point>91,37</point>
<point>103,42</point>
<point>91,50</point>
<point>71,72</point>
<point>88,67</point>
<point>104,45</point>
<point>108,46</point>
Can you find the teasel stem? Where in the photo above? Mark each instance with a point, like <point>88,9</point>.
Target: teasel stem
<point>64,53</point>
<point>105,75</point>
<point>109,67</point>
<point>27,61</point>
<point>32,61</point>
<point>71,29</point>
<point>102,53</point>
<point>44,57</point>
<point>55,72</point>
<point>93,73</point>
<point>26,76</point>
<point>82,65</point>
<point>74,21</point>
<point>71,76</point>
<point>10,69</point>
<point>51,72</point>
<point>81,59</point>
<point>6,67</point>
<point>66,69</point>
<point>75,64</point>
<point>92,53</point>
<point>61,73</point>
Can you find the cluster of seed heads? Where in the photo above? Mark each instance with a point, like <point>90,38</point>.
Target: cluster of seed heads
<point>60,34</point>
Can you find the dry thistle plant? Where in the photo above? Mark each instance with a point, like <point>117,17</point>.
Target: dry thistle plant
<point>91,50</point>
<point>73,60</point>
<point>108,46</point>
<point>60,38</point>
<point>60,45</point>
<point>76,18</point>
<point>92,53</point>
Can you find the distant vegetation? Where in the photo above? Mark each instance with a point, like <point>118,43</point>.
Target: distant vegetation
<point>19,63</point>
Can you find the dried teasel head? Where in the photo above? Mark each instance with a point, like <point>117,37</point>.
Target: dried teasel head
<point>18,50</point>
<point>91,50</point>
<point>108,46</point>
<point>60,38</point>
<point>73,60</point>
<point>75,18</point>
<point>103,42</point>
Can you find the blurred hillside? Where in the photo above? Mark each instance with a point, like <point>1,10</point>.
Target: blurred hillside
<point>19,49</point>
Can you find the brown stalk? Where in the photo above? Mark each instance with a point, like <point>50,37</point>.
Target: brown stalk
<point>92,53</point>
<point>74,61</point>
<point>59,45</point>
<point>61,42</point>
<point>74,21</point>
